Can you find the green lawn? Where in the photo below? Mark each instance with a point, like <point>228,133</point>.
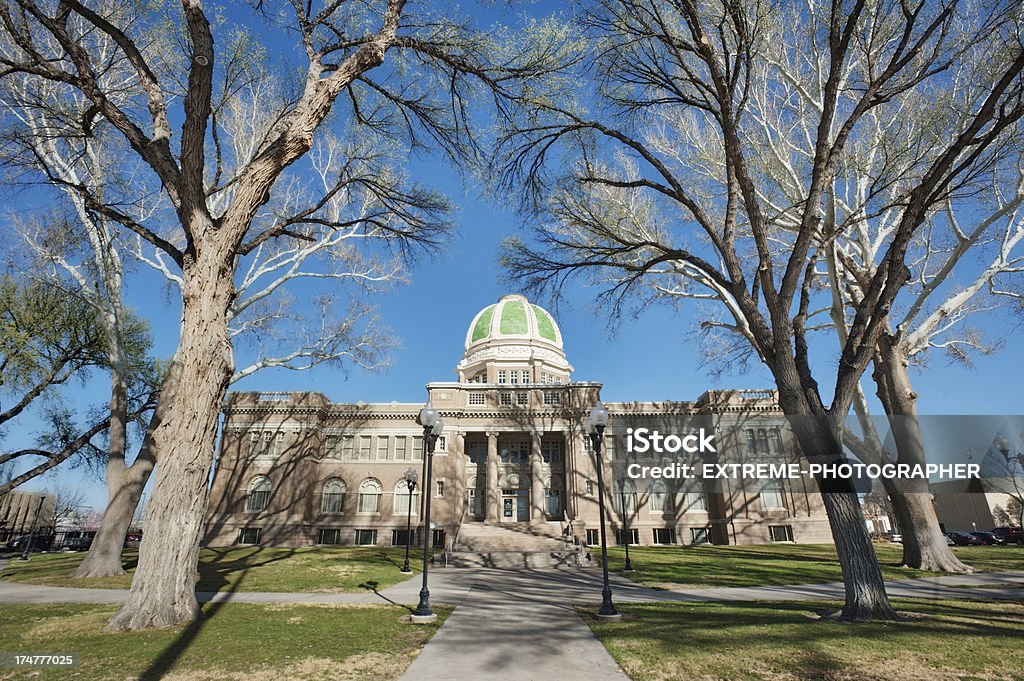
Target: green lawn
<point>696,641</point>
<point>251,568</point>
<point>236,641</point>
<point>777,564</point>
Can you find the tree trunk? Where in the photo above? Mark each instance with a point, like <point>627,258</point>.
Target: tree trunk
<point>866,598</point>
<point>924,546</point>
<point>163,589</point>
<point>124,487</point>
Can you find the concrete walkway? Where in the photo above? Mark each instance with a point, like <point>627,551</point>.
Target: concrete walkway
<point>521,624</point>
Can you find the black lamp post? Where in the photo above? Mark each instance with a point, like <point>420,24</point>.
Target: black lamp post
<point>32,529</point>
<point>628,537</point>
<point>594,425</point>
<point>410,484</point>
<point>432,427</point>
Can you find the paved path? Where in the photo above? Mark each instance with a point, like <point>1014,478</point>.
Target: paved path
<point>521,624</point>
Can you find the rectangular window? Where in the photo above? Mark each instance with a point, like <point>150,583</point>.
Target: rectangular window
<point>364,447</point>
<point>700,535</point>
<point>328,536</point>
<point>621,536</point>
<point>779,533</point>
<point>551,451</point>
<point>402,499</point>
<point>249,535</point>
<point>400,448</point>
<point>439,488</point>
<point>366,537</point>
<point>502,377</point>
<point>438,536</point>
<point>383,442</point>
<point>332,502</point>
<point>505,399</point>
<point>664,535</point>
<point>590,488</point>
<point>772,497</point>
<point>347,447</point>
<point>478,452</point>
<point>693,499</point>
<point>477,399</point>
<point>522,398</point>
<point>401,538</point>
<point>332,447</point>
<point>416,453</point>
<point>593,537</point>
<point>608,447</point>
<point>552,397</point>
<point>442,444</point>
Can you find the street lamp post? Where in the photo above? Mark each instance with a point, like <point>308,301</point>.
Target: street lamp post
<point>627,536</point>
<point>32,529</point>
<point>432,427</point>
<point>594,425</point>
<point>410,484</point>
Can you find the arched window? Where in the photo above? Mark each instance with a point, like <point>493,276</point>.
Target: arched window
<point>369,496</point>
<point>258,497</point>
<point>333,496</point>
<point>660,500</point>
<point>624,496</point>
<point>403,498</point>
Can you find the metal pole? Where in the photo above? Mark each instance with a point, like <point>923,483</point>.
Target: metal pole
<point>32,529</point>
<point>625,529</point>
<point>423,610</point>
<point>408,527</point>
<point>607,610</point>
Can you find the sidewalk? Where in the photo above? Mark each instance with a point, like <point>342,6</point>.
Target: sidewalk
<point>522,624</point>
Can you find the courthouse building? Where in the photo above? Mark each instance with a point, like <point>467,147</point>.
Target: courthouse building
<point>297,470</point>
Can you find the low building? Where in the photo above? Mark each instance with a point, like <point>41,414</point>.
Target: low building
<point>295,469</point>
<point>24,512</point>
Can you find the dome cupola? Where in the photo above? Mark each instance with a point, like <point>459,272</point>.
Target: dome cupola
<point>516,333</point>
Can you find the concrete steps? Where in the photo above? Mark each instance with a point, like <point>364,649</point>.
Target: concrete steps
<point>514,545</point>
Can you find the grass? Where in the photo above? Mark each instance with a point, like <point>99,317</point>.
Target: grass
<point>779,564</point>
<point>235,641</point>
<point>251,568</point>
<point>698,641</point>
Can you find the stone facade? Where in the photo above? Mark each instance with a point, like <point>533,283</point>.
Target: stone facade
<point>296,470</point>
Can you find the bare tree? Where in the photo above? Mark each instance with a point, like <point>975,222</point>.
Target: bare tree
<point>676,84</point>
<point>401,75</point>
<point>978,216</point>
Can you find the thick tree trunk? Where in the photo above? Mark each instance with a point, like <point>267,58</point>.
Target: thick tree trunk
<point>866,598</point>
<point>163,588</point>
<point>924,546</point>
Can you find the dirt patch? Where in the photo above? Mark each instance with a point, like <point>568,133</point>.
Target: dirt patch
<point>366,667</point>
<point>61,627</point>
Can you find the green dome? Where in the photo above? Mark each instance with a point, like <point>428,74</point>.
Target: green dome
<point>513,318</point>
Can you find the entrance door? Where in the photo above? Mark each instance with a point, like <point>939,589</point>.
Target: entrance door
<point>523,506</point>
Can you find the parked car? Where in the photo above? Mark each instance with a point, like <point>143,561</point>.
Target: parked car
<point>949,540</point>
<point>964,539</point>
<point>40,542</point>
<point>894,537</point>
<point>1010,535</point>
<point>989,538</point>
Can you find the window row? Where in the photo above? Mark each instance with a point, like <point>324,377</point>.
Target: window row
<point>659,535</point>
<point>329,536</point>
<point>661,500</point>
<point>521,398</point>
<point>378,447</point>
<point>517,377</point>
<point>332,496</point>
<point>515,451</point>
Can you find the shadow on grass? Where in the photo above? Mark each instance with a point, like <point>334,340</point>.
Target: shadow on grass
<point>214,583</point>
<point>374,587</point>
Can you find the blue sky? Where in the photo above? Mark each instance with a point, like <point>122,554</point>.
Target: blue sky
<point>649,358</point>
